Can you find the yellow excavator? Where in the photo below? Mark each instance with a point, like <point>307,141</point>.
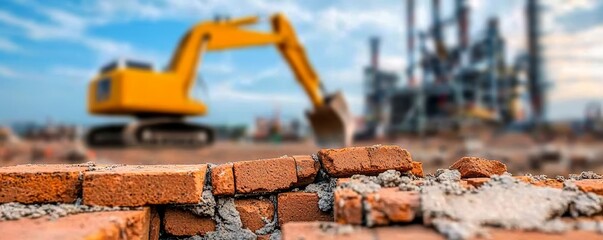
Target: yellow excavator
<point>160,101</point>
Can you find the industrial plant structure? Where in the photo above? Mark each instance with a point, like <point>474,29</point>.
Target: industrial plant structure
<point>451,86</point>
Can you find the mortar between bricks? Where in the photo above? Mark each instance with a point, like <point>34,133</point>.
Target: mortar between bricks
<point>226,204</point>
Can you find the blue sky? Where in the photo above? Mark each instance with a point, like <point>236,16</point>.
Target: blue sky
<point>49,51</point>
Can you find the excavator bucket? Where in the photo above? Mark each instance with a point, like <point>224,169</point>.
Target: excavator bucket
<point>333,123</point>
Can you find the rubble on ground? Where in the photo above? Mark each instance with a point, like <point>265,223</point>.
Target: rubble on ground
<point>356,192</point>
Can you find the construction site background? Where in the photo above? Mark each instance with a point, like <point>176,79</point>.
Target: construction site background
<point>459,95</point>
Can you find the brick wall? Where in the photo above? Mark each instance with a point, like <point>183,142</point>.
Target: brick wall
<point>248,199</point>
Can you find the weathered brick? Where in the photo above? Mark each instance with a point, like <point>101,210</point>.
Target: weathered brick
<point>476,182</point>
<point>341,181</point>
<point>552,183</point>
<point>254,211</point>
<point>267,175</point>
<point>40,183</point>
<point>154,224</point>
<point>501,234</point>
<point>409,232</point>
<point>179,222</point>
<point>347,207</point>
<point>263,237</point>
<point>417,169</point>
<point>371,160</point>
<point>390,205</point>
<point>324,230</point>
<point>300,206</point>
<point>222,180</point>
<point>97,225</point>
<point>306,168</point>
<point>474,167</point>
<point>591,185</point>
<point>145,184</point>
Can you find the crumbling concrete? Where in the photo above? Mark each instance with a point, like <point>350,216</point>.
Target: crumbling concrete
<point>503,202</point>
<point>207,205</point>
<point>325,193</point>
<point>229,225</point>
<point>585,175</point>
<point>270,226</point>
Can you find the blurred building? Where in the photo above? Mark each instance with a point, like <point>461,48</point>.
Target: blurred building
<point>379,87</point>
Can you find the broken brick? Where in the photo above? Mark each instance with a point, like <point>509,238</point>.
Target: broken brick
<point>144,184</point>
<point>347,207</point>
<point>179,222</point>
<point>40,183</point>
<point>306,168</point>
<point>408,232</point>
<point>552,183</point>
<point>300,206</point>
<point>255,213</point>
<point>389,205</point>
<point>324,230</point>
<point>476,182</point>
<point>417,169</point>
<point>222,180</point>
<point>267,175</point>
<point>154,224</point>
<point>371,160</point>
<point>591,185</point>
<point>501,234</point>
<point>475,167</point>
<point>132,224</point>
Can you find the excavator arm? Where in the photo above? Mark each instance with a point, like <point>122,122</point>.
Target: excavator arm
<point>224,35</point>
<point>331,120</point>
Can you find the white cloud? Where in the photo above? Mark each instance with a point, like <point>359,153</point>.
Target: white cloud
<point>8,46</point>
<point>225,92</point>
<point>71,73</point>
<point>7,72</point>
<point>63,26</point>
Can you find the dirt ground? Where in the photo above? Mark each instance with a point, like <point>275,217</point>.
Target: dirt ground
<point>518,151</point>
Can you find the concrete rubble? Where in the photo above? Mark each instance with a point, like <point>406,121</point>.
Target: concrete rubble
<point>472,198</point>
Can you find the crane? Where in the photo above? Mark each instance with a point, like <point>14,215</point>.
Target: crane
<point>160,101</point>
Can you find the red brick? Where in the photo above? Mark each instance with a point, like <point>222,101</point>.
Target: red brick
<point>145,184</point>
<point>267,175</point>
<point>474,167</point>
<point>591,185</point>
<point>300,206</point>
<point>417,169</point>
<point>341,181</point>
<point>222,180</point>
<point>98,225</point>
<point>263,237</point>
<point>390,205</point>
<point>476,182</point>
<point>253,211</point>
<point>347,207</point>
<point>371,160</point>
<point>409,232</point>
<point>500,234</point>
<point>154,224</point>
<point>552,183</point>
<point>306,168</point>
<point>179,222</point>
<point>40,183</point>
<point>324,230</point>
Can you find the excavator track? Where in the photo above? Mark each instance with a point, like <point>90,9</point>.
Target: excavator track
<point>160,132</point>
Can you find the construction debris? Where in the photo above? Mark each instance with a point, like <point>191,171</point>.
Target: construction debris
<point>450,203</point>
